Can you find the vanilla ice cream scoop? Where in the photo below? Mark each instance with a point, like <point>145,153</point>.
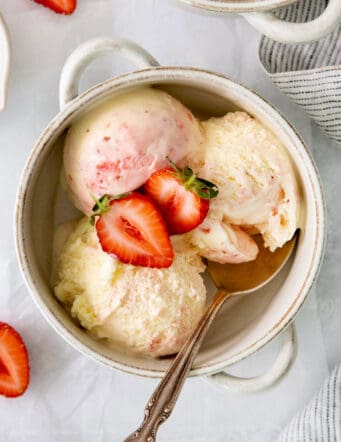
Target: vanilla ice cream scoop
<point>115,147</point>
<point>257,189</point>
<point>152,311</point>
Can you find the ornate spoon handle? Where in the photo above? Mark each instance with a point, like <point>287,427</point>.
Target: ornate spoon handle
<point>161,403</point>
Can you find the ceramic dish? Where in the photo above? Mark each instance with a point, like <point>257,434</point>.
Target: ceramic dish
<point>4,62</point>
<point>245,324</point>
<point>259,13</point>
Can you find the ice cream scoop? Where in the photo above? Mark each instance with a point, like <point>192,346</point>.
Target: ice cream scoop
<point>150,311</point>
<point>115,147</point>
<point>257,189</point>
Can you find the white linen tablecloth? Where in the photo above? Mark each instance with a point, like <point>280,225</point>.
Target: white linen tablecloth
<point>72,398</point>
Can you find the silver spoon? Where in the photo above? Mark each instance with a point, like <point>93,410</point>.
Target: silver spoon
<point>231,280</point>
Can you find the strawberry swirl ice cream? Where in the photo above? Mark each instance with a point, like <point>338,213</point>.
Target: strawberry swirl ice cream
<point>258,190</point>
<point>115,147</point>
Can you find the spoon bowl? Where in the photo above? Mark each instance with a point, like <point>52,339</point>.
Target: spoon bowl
<point>259,272</point>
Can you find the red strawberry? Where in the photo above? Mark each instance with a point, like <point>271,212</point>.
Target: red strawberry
<point>182,198</point>
<point>131,228</point>
<point>14,366</point>
<point>59,6</point>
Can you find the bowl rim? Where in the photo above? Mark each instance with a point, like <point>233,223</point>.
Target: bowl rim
<point>159,75</point>
<point>237,6</point>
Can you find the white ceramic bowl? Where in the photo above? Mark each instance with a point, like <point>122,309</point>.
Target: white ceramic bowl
<point>259,13</point>
<point>4,62</point>
<point>245,324</point>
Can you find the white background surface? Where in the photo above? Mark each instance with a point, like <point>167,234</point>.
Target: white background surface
<point>70,397</point>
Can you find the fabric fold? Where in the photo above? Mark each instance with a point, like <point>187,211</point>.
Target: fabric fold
<point>309,74</point>
<point>320,421</point>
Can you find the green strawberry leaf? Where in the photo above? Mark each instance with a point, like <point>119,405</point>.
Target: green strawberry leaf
<point>102,205</point>
<point>204,188</point>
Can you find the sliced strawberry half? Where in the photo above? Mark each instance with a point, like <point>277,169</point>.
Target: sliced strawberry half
<point>131,228</point>
<point>183,199</point>
<point>14,365</point>
<point>60,6</point>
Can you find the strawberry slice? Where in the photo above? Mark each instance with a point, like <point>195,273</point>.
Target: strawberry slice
<point>60,6</point>
<point>131,228</point>
<point>182,198</point>
<point>14,365</point>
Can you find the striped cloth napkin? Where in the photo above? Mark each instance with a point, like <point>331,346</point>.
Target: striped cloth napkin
<point>310,74</point>
<point>320,421</point>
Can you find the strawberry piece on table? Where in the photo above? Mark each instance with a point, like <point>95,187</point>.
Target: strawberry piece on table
<point>131,228</point>
<point>14,365</point>
<point>183,199</point>
<point>59,6</point>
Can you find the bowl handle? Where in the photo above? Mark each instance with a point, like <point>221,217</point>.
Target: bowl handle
<point>280,30</point>
<point>281,366</point>
<point>87,52</point>
<point>4,62</point>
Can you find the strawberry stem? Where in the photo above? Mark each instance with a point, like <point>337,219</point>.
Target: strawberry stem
<point>189,183</point>
<point>205,189</point>
<point>102,205</point>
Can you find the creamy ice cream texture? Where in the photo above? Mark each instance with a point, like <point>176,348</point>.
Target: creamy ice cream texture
<point>257,189</point>
<point>115,147</point>
<point>152,311</point>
